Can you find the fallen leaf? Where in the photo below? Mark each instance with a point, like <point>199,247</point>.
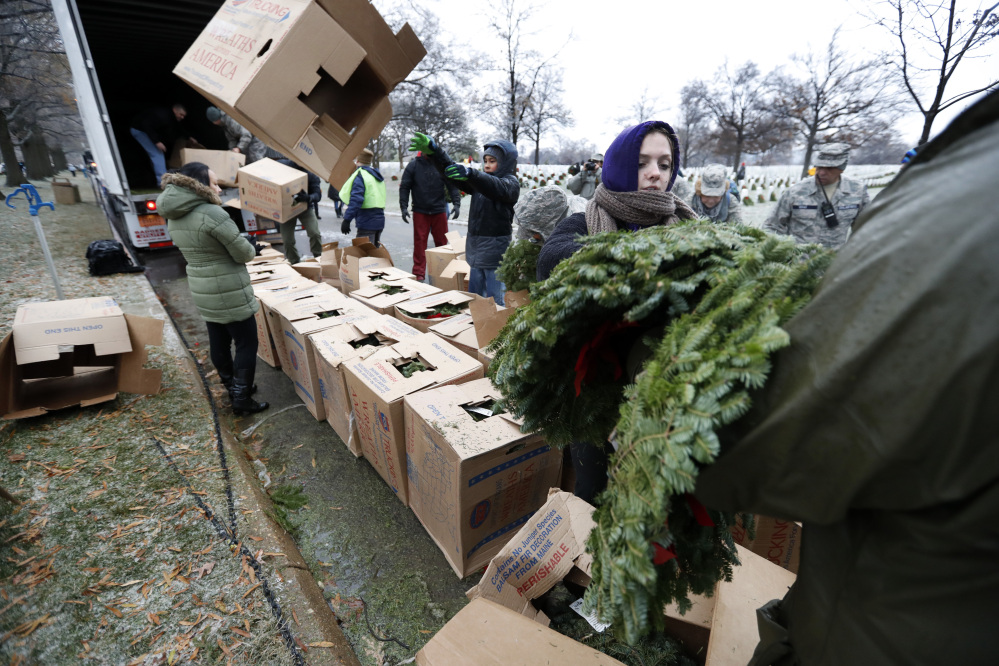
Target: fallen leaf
<point>114,611</point>
<point>325,644</point>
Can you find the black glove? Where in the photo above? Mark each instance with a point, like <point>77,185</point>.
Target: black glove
<point>257,247</point>
<point>405,216</point>
<point>300,197</point>
<point>455,211</point>
<point>345,227</point>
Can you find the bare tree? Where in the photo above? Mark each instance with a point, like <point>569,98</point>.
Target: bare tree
<point>37,106</point>
<point>434,111</point>
<point>523,68</point>
<point>741,109</point>
<point>826,95</point>
<point>646,107</point>
<point>546,110</point>
<point>693,126</point>
<point>933,39</point>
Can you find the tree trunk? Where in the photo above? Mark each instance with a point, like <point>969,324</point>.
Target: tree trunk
<point>36,156</point>
<point>59,159</point>
<point>537,148</point>
<point>927,126</point>
<point>8,154</point>
<point>809,147</point>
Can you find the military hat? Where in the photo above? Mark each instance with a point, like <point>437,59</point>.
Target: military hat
<point>714,180</point>
<point>832,155</point>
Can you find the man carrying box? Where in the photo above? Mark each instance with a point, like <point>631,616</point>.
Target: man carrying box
<point>238,137</point>
<point>307,218</point>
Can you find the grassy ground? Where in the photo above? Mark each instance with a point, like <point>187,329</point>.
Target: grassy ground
<point>108,559</point>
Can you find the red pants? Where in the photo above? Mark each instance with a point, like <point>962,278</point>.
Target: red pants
<point>423,226</point>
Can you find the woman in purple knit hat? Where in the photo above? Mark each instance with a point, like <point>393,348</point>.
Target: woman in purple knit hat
<point>639,169</point>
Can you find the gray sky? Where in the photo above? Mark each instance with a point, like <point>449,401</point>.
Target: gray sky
<point>620,47</point>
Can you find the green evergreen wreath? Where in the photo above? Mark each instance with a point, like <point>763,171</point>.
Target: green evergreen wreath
<point>709,301</point>
<point>518,268</point>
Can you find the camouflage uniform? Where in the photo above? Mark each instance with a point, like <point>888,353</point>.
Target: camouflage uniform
<point>239,137</point>
<point>585,182</point>
<point>799,211</point>
<point>714,183</point>
<point>683,189</point>
<point>539,210</point>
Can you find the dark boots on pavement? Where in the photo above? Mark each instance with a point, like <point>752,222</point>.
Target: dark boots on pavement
<point>227,382</point>
<point>239,394</point>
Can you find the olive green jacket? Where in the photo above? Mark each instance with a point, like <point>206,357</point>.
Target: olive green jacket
<point>215,252</point>
<point>879,427</point>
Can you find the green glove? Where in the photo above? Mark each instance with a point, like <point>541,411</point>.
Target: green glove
<point>457,171</point>
<point>423,144</point>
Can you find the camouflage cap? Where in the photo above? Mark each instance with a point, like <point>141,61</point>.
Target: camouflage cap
<point>714,180</point>
<point>539,210</point>
<point>835,155</point>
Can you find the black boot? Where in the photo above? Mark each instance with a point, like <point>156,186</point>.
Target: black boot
<point>240,391</point>
<point>227,383</point>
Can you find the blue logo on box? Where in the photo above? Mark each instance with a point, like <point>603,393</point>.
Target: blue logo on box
<point>384,421</point>
<point>294,360</point>
<point>479,513</point>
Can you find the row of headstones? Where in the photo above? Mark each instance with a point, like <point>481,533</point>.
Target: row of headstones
<point>758,188</point>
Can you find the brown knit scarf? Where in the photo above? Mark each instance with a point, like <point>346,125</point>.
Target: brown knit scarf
<point>645,208</point>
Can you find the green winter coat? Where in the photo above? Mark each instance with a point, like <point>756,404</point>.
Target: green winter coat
<point>215,252</point>
<point>879,427</point>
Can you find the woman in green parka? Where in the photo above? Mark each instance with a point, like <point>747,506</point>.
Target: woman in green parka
<point>216,273</point>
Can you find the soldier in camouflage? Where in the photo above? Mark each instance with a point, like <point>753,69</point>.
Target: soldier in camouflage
<point>712,198</point>
<point>238,137</point>
<point>821,209</point>
<point>683,189</point>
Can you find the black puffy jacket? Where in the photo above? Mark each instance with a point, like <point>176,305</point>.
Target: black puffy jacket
<point>490,216</point>
<point>430,189</point>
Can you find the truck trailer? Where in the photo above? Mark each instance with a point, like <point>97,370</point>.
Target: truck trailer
<point>122,54</point>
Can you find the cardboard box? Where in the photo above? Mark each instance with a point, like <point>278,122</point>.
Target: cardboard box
<point>329,264</point>
<point>723,627</point>
<point>301,317</point>
<point>224,163</point>
<point>310,79</point>
<point>361,256</point>
<point>336,345</point>
<point>516,299</point>
<point>439,257</point>
<point>65,192</point>
<point>417,312</point>
<point>267,188</point>
<point>310,269</point>
<point>377,388</point>
<point>778,541</point>
<point>76,352</point>
<point>42,331</point>
<point>384,294</point>
<point>487,634</point>
<point>475,329</point>
<point>268,322</point>
<point>268,272</point>
<point>474,477</point>
<point>455,275</point>
<point>548,548</point>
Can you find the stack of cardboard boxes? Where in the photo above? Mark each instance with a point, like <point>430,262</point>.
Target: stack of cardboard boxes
<point>389,391</point>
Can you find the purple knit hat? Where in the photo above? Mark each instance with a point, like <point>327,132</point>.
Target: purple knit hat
<point>620,173</point>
